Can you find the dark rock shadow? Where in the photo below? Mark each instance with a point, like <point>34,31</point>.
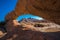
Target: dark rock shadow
<point>54,35</point>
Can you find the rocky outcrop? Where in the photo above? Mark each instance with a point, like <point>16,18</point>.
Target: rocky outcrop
<point>25,30</point>
<point>39,25</point>
<point>48,9</point>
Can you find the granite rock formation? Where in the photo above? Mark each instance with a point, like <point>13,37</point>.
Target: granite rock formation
<point>48,9</point>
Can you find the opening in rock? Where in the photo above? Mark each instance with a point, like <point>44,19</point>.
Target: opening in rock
<point>29,16</point>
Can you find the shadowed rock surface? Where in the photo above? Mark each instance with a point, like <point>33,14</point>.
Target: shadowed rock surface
<point>48,9</point>
<point>20,31</point>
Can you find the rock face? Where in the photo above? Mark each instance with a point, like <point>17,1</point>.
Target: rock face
<point>25,30</point>
<point>40,25</point>
<point>15,32</point>
<point>48,9</point>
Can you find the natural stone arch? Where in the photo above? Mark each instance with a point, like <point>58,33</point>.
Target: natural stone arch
<point>48,9</point>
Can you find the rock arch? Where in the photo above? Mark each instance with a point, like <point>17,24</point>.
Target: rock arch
<point>48,9</point>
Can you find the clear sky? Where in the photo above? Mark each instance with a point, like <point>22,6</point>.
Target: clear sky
<point>28,16</point>
<point>7,6</point>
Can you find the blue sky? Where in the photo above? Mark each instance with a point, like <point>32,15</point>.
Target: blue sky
<point>7,6</point>
<point>28,16</point>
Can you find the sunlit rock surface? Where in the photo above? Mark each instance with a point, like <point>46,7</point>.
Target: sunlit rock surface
<point>31,29</point>
<point>2,34</point>
<point>40,25</point>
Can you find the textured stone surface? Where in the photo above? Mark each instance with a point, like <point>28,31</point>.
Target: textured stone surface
<point>15,32</point>
<point>48,9</point>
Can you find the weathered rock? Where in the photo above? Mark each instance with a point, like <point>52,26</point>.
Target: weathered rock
<point>15,32</point>
<point>48,9</point>
<point>39,25</point>
<point>19,34</point>
<point>2,34</point>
